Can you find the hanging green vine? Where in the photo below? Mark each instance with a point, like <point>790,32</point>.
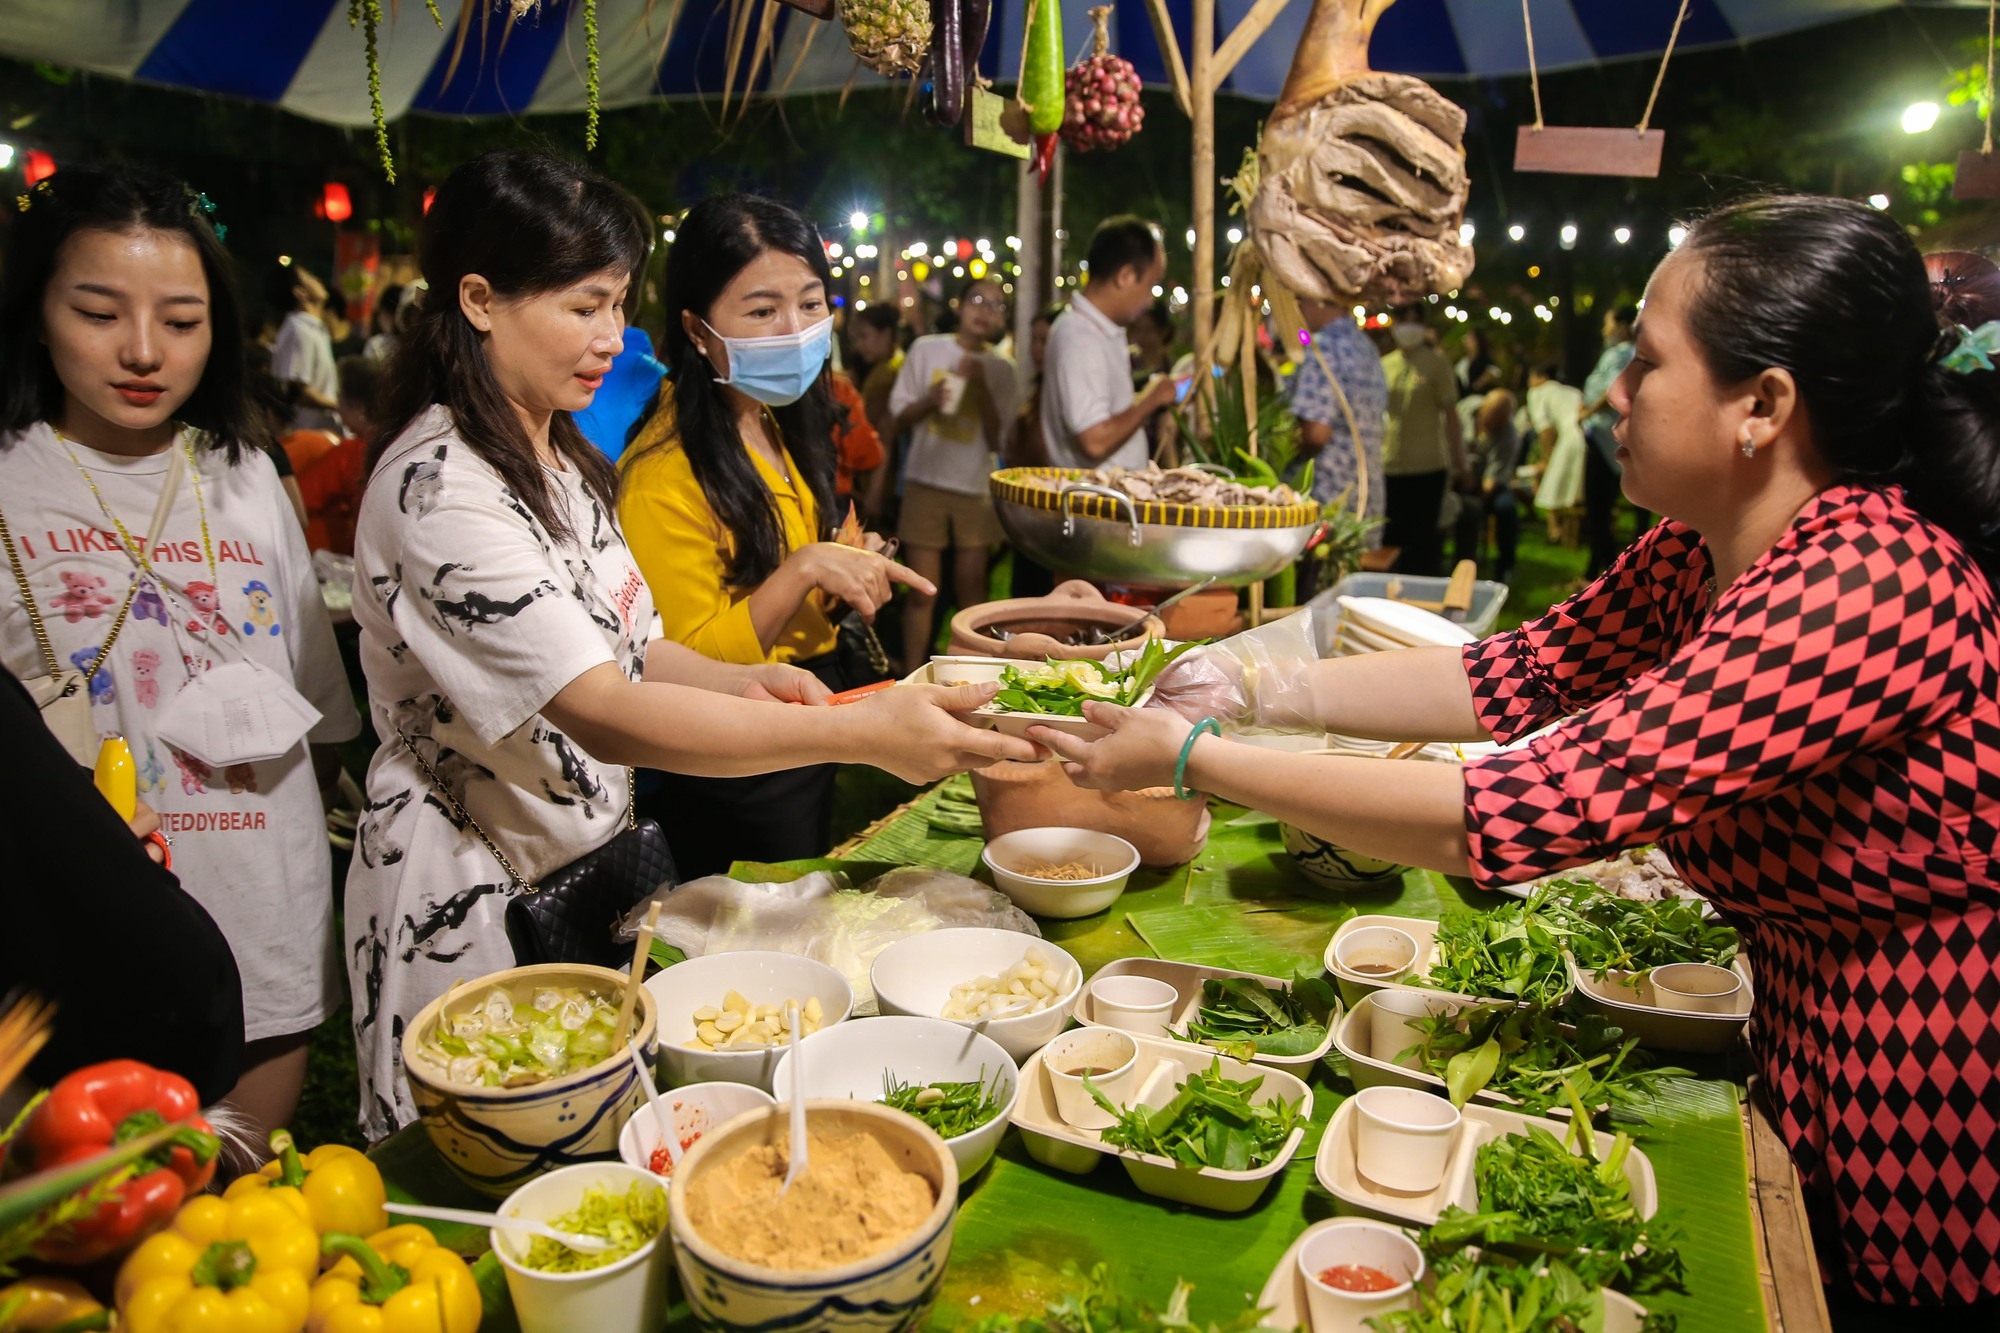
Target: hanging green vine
<point>590,73</point>
<point>367,15</point>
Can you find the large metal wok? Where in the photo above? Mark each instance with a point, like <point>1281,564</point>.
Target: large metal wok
<point>1100,533</point>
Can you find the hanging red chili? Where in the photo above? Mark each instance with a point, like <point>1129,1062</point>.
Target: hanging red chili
<point>93,1110</point>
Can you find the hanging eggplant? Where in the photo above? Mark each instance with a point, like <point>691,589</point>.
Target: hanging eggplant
<point>947,63</point>
<point>978,14</point>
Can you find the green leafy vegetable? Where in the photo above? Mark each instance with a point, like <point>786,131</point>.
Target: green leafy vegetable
<point>1242,1017</point>
<point>1528,1055</point>
<point>951,1109</point>
<point>627,1220</point>
<point>1099,1307</point>
<point>1211,1122</point>
<point>1492,1293</point>
<point>956,809</point>
<point>1538,1197</point>
<point>1607,933</point>
<point>1511,952</point>
<point>1061,688</point>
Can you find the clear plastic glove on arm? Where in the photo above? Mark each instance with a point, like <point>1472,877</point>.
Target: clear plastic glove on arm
<point>1258,681</point>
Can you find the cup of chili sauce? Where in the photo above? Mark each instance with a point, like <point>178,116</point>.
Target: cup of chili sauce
<point>1355,1269</point>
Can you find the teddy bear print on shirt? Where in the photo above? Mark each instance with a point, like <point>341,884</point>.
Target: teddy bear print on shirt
<point>83,596</point>
<point>145,677</point>
<point>194,773</point>
<point>147,604</point>
<point>261,615</point>
<point>102,689</point>
<point>207,608</point>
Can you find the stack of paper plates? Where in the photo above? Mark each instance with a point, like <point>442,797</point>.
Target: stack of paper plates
<point>1376,624</point>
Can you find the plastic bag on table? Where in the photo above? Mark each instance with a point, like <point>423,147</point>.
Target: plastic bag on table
<point>1256,681</point>
<point>820,916</point>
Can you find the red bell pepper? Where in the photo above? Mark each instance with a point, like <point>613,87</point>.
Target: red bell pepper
<point>98,1107</point>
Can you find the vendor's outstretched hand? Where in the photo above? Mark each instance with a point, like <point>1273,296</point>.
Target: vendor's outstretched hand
<point>914,735</point>
<point>1141,751</point>
<point>1207,682</point>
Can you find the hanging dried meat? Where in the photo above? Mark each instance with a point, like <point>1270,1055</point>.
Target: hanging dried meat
<point>1362,174</point>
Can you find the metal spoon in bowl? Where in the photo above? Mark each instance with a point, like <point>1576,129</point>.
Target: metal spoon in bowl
<point>797,1152</point>
<point>472,1217</point>
<point>670,1134</point>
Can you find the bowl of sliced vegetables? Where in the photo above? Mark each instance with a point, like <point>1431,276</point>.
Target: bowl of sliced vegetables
<point>1053,693</point>
<point>1014,988</point>
<point>513,1076</point>
<point>724,1017</point>
<point>955,1080</point>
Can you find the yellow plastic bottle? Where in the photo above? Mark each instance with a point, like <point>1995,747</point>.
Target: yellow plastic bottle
<point>116,777</point>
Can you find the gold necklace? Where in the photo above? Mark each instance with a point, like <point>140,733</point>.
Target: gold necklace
<point>134,547</point>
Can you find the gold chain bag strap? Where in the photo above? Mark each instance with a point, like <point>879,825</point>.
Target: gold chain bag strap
<point>573,914</point>
<point>64,696</point>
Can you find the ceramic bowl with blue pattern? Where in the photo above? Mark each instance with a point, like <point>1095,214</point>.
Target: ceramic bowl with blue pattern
<point>497,1139</point>
<point>888,1292</point>
<point>1331,866</point>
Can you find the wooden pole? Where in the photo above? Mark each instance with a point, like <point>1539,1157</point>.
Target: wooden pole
<point>1201,87</point>
<point>1029,293</point>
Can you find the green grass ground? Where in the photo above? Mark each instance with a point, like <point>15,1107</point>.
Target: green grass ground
<point>1543,575</point>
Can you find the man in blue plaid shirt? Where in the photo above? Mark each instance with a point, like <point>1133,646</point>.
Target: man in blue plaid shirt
<point>1323,434</point>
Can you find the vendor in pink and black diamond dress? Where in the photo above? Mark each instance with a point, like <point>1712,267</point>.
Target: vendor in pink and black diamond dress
<point>1792,685</point>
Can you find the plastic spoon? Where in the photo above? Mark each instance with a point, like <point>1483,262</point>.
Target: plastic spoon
<point>670,1134</point>
<point>471,1217</point>
<point>797,1153</point>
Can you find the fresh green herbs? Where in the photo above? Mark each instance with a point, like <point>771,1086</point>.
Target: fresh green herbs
<point>1508,953</point>
<point>1528,1055</point>
<point>951,1109</point>
<point>956,809</point>
<point>1606,933</point>
<point>1491,1293</point>
<point>1535,1195</point>
<point>1241,1017</point>
<point>1211,1122</point>
<point>1099,1307</point>
<point>1061,689</point>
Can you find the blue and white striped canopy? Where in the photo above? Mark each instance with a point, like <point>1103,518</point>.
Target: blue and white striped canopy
<point>303,56</point>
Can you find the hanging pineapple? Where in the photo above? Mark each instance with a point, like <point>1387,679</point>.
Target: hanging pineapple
<point>1362,175</point>
<point>888,36</point>
<point>1103,110</point>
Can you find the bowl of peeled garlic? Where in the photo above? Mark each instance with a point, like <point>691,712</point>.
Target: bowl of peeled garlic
<point>1015,988</point>
<point>726,1017</point>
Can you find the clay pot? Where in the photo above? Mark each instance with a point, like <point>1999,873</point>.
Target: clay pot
<point>1210,614</point>
<point>1166,830</point>
<point>1033,620</point>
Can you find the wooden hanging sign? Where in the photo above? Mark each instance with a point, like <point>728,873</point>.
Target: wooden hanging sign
<point>1589,150</point>
<point>1978,175</point>
<point>982,124</point>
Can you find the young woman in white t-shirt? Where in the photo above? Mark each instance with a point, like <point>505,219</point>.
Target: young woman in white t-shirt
<point>505,626</point>
<point>121,374</point>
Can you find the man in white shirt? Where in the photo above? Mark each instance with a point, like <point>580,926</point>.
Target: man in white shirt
<point>303,352</point>
<point>1091,416</point>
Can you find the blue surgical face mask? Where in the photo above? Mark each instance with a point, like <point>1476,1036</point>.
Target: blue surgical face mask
<point>777,370</point>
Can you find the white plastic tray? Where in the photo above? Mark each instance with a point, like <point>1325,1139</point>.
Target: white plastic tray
<point>1353,985</point>
<point>1052,1142</point>
<point>1629,1003</point>
<point>1284,1296</point>
<point>1353,1037</point>
<point>1187,979</point>
<point>1338,1169</point>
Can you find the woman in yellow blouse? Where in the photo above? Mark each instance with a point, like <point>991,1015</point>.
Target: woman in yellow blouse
<point>726,500</point>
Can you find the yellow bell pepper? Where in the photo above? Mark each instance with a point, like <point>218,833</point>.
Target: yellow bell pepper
<point>242,1265</point>
<point>50,1305</point>
<point>396,1281</point>
<point>342,1188</point>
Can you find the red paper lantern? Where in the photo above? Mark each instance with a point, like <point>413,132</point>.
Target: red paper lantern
<point>965,249</point>
<point>37,166</point>
<point>334,203</point>
<point>429,194</point>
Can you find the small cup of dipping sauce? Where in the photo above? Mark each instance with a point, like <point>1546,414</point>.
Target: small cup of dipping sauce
<point>1376,953</point>
<point>1108,1057</point>
<point>1356,1271</point>
<point>1403,1138</point>
<point>1696,988</point>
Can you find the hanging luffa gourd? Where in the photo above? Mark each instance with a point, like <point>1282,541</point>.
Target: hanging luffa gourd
<point>1362,174</point>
